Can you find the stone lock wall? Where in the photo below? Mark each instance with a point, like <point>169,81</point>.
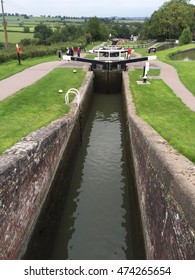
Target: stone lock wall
<point>165,183</point>
<point>166,189</point>
<point>26,173</point>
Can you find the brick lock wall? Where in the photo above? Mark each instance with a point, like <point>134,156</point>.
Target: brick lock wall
<point>166,189</point>
<point>26,174</point>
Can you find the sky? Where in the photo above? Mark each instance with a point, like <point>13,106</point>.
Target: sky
<point>89,8</point>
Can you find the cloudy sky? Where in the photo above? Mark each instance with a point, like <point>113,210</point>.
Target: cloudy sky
<point>99,8</point>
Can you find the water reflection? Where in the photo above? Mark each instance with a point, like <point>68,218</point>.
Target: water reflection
<point>96,219</point>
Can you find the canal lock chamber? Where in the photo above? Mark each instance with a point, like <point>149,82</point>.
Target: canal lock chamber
<point>92,210</point>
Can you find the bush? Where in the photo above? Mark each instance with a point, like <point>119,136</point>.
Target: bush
<point>1,46</point>
<point>31,51</point>
<point>186,37</point>
<point>26,29</point>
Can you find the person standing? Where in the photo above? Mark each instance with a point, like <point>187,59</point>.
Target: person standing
<point>72,51</point>
<point>78,52</point>
<point>19,52</point>
<point>59,53</point>
<point>68,51</point>
<point>129,51</point>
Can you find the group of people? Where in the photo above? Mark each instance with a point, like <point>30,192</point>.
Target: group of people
<point>69,51</point>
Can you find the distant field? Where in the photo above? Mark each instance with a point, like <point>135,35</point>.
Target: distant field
<point>16,24</point>
<point>32,21</point>
<point>14,28</point>
<point>127,21</point>
<point>15,37</point>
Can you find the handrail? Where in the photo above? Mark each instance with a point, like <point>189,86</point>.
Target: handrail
<point>76,92</point>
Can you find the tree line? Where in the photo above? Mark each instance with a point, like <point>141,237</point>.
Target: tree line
<point>170,21</point>
<point>94,29</point>
<point>175,19</point>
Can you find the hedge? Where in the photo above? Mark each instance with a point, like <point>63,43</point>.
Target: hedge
<point>35,51</point>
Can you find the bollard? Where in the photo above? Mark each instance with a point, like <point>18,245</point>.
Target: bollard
<point>145,71</point>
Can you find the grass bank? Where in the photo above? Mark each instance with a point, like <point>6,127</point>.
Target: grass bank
<point>165,112</point>
<point>185,69</point>
<point>10,68</point>
<point>36,106</point>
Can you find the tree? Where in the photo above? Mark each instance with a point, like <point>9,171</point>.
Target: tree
<point>186,37</point>
<point>25,42</point>
<point>26,29</point>
<point>123,31</point>
<point>43,33</point>
<point>97,29</point>
<point>170,20</point>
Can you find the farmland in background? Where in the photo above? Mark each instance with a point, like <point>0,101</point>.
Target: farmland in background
<point>16,24</point>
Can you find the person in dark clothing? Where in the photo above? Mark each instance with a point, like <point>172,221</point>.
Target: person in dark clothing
<point>59,53</point>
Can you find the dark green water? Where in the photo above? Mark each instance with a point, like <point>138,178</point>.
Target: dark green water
<point>96,220</point>
<point>185,55</point>
<point>96,210</point>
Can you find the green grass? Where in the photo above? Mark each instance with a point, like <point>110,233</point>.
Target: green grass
<point>185,69</point>
<point>14,24</point>
<point>165,112</point>
<point>15,37</point>
<point>12,67</point>
<point>36,106</point>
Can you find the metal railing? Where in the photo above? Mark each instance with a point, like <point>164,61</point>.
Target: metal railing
<point>74,91</point>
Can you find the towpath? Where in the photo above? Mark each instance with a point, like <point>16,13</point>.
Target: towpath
<point>31,75</point>
<point>169,75</point>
